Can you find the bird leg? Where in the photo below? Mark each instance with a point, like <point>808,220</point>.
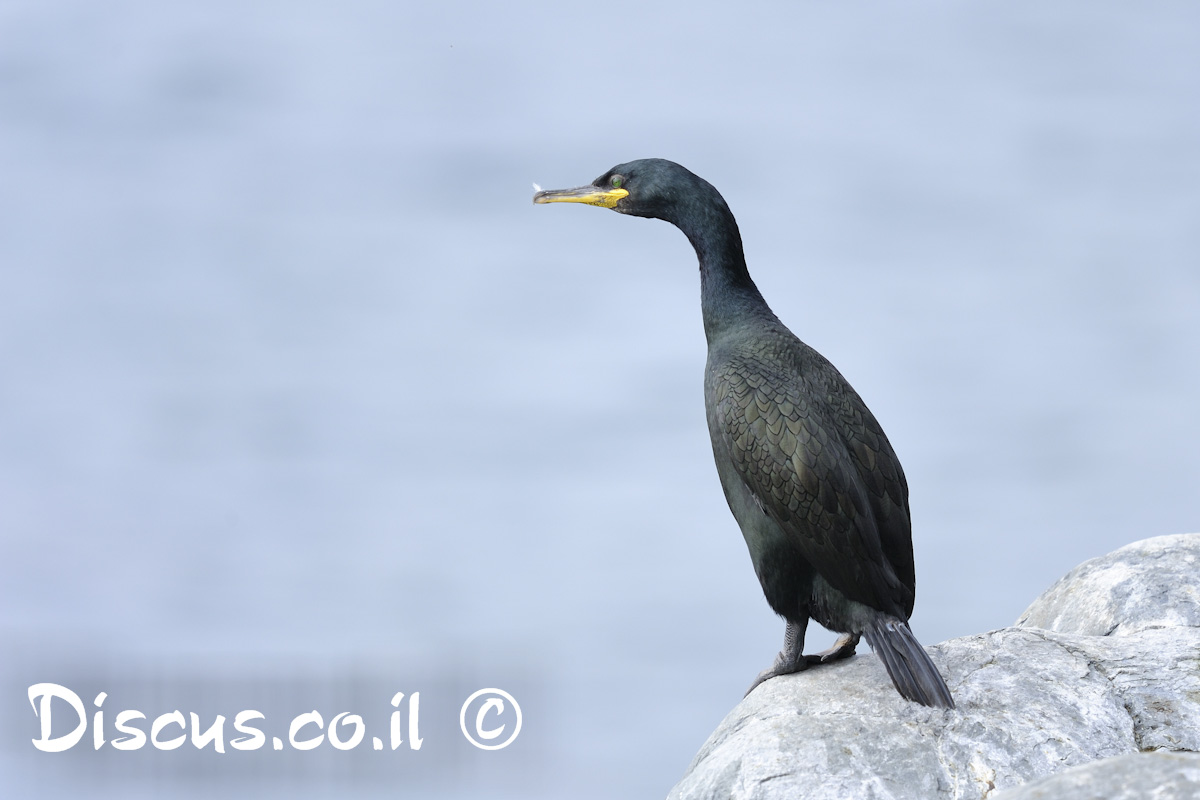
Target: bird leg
<point>791,657</point>
<point>842,648</point>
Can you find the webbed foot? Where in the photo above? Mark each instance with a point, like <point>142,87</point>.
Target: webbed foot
<point>782,666</point>
<point>842,648</point>
<point>790,660</point>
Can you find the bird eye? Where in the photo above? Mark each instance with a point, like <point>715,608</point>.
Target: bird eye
<point>617,180</point>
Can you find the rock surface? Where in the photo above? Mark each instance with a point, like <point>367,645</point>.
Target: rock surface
<point>1032,701</point>
<point>1147,584</point>
<point>1160,775</point>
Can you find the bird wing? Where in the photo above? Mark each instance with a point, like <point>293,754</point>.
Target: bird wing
<point>812,454</point>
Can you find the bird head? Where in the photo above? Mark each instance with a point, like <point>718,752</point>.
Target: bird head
<point>650,187</point>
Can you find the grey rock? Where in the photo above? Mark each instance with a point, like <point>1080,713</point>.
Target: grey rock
<point>1148,584</point>
<point>1031,702</point>
<point>1158,775</point>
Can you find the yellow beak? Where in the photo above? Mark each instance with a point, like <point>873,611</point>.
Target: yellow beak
<point>592,195</point>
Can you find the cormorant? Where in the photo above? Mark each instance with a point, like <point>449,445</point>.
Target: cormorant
<point>807,471</point>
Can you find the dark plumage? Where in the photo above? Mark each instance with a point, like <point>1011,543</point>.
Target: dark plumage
<point>808,472</point>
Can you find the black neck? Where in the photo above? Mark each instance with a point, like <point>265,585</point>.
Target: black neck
<point>728,296</point>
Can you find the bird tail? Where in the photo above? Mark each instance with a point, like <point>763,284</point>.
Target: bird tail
<point>907,663</point>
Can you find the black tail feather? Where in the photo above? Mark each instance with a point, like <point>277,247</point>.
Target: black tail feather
<point>907,663</point>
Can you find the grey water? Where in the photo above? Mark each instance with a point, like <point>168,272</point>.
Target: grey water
<point>303,403</point>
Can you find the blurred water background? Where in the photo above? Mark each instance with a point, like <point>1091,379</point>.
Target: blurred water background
<point>303,403</point>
